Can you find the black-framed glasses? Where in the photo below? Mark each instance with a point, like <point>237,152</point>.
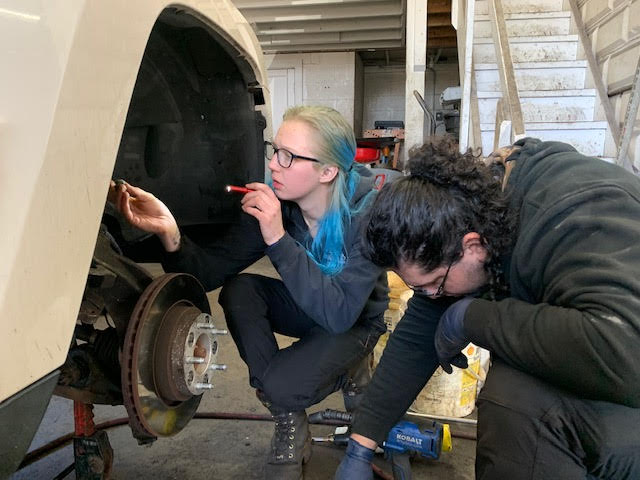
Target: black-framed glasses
<point>285,157</point>
<point>438,291</point>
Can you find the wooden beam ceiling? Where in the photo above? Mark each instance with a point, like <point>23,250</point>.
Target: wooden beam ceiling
<point>325,25</point>
<point>285,26</point>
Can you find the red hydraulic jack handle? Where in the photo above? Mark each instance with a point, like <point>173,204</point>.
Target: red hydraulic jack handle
<point>91,449</point>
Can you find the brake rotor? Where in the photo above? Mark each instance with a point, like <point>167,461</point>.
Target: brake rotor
<point>168,356</point>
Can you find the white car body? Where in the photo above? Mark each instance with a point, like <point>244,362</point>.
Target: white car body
<point>68,73</point>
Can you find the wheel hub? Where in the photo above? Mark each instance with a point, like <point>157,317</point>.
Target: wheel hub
<point>169,356</point>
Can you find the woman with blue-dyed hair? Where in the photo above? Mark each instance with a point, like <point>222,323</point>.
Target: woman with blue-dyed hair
<point>329,297</point>
<point>335,145</point>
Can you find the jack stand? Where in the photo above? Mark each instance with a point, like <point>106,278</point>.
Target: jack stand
<point>91,449</point>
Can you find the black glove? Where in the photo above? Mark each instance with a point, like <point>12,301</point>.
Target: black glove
<point>450,338</point>
<point>356,463</point>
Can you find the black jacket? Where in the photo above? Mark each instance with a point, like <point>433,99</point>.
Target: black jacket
<point>358,293</point>
<point>573,316</point>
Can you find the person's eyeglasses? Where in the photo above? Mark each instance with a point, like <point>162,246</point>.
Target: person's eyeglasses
<point>285,157</point>
<point>438,291</point>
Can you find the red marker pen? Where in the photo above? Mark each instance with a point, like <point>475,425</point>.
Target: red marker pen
<point>233,188</point>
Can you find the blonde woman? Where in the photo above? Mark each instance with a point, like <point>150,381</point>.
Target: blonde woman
<point>329,297</point>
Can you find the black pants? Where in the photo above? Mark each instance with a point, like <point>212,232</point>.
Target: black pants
<point>528,429</point>
<point>303,374</point>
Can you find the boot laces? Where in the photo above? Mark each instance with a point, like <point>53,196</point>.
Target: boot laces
<point>284,437</point>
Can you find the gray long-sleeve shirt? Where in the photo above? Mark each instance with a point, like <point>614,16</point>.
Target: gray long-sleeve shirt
<point>358,293</point>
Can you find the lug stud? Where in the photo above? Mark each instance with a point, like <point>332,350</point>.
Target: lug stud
<point>193,360</point>
<point>212,328</point>
<point>217,366</point>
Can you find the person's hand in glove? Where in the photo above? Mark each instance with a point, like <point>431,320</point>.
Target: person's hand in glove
<point>356,463</point>
<point>450,337</point>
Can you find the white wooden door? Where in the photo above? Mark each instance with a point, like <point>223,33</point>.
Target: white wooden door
<point>282,87</point>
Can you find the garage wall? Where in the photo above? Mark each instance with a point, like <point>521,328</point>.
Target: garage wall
<point>384,89</point>
<point>383,95</point>
<point>362,94</point>
<point>321,79</point>
<point>445,75</point>
<point>359,97</point>
<point>614,29</point>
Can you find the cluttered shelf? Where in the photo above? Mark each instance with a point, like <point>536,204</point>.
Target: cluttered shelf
<point>381,147</point>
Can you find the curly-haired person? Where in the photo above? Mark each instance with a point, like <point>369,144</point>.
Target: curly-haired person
<point>542,268</point>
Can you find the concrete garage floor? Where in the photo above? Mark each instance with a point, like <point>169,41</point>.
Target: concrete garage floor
<point>220,449</point>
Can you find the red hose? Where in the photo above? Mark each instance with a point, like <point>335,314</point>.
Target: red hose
<point>381,473</point>
<point>233,416</point>
<point>58,443</point>
<point>50,447</point>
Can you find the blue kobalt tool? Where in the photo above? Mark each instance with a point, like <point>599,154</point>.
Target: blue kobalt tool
<point>406,438</point>
<point>428,442</point>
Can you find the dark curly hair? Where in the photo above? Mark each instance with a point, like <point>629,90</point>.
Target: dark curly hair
<point>421,218</point>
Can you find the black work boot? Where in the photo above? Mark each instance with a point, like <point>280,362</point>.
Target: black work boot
<point>359,377</point>
<point>290,444</point>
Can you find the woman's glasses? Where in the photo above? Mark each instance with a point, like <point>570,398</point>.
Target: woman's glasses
<point>285,157</point>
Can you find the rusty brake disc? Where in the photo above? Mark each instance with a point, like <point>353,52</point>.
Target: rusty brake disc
<point>168,356</point>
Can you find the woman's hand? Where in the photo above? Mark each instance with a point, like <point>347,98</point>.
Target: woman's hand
<point>144,211</point>
<point>263,204</point>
